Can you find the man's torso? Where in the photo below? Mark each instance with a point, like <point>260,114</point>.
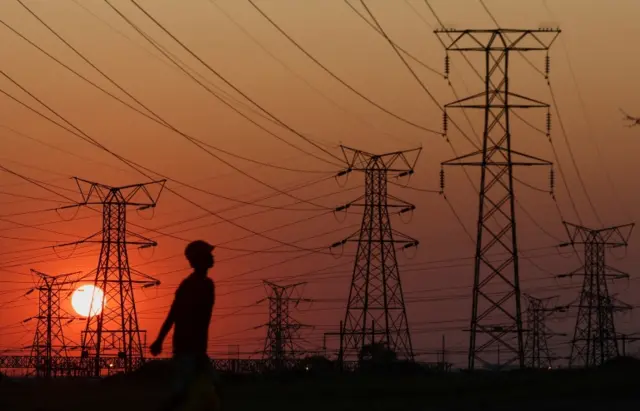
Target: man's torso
<point>193,304</point>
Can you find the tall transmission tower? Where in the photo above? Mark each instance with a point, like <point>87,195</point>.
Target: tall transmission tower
<point>49,349</point>
<point>114,330</point>
<point>282,328</point>
<point>594,339</point>
<point>496,310</point>
<point>537,353</point>
<point>376,312</point>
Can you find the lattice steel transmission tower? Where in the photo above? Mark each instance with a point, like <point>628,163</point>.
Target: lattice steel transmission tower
<point>537,353</point>
<point>595,340</point>
<point>376,313</point>
<point>49,350</point>
<point>282,329</point>
<point>114,330</point>
<point>496,216</point>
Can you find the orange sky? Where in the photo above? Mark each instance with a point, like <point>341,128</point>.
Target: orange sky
<point>595,46</point>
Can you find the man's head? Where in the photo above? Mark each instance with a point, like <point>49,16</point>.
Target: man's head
<point>199,254</point>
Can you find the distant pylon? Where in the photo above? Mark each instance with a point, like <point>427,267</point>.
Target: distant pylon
<point>496,307</point>
<point>537,353</point>
<point>376,313</point>
<point>594,339</point>
<point>49,349</point>
<point>282,328</point>
<point>114,331</point>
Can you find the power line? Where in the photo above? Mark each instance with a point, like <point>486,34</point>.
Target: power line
<point>230,84</point>
<point>62,150</point>
<point>82,135</point>
<point>158,119</point>
<point>288,68</point>
<point>571,155</point>
<point>332,74</point>
<point>410,55</point>
<point>533,66</point>
<point>378,28</point>
<point>171,62</point>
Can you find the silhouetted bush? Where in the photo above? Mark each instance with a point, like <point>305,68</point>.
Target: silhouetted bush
<point>626,365</point>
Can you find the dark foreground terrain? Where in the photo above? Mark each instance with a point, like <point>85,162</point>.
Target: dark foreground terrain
<point>609,389</point>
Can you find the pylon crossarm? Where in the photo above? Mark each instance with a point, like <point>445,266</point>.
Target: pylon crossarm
<point>484,39</point>
<point>534,103</point>
<point>624,237</point>
<point>348,205</point>
<point>402,206</point>
<point>457,103</point>
<point>147,277</point>
<point>141,240</point>
<point>458,161</point>
<point>455,161</point>
<point>399,203</point>
<point>614,273</point>
<point>345,240</point>
<point>359,160</point>
<point>89,239</point>
<point>100,194</point>
<point>402,238</point>
<point>582,235</point>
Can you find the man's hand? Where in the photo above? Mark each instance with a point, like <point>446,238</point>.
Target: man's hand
<point>156,348</point>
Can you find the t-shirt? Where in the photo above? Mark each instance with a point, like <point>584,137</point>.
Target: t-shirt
<point>192,308</point>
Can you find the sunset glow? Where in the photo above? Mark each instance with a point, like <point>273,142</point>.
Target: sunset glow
<point>81,300</point>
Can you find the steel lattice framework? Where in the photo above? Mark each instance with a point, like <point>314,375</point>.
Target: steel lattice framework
<point>114,331</point>
<point>376,311</point>
<point>595,340</point>
<point>537,353</point>
<point>49,345</point>
<point>282,328</point>
<point>496,310</point>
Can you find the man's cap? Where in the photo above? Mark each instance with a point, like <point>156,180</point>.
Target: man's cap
<point>198,248</point>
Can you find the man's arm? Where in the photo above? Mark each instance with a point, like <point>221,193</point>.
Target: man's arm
<point>168,323</point>
<point>211,297</point>
<point>156,347</point>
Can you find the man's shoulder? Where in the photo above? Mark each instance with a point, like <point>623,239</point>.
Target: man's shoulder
<point>196,282</point>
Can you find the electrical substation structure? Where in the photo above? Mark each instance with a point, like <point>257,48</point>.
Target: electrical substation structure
<point>594,339</point>
<point>538,334</point>
<point>49,356</point>
<point>282,329</point>
<point>496,308</point>
<point>114,331</point>
<point>376,312</point>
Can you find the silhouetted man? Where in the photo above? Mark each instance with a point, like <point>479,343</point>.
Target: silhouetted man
<point>190,315</point>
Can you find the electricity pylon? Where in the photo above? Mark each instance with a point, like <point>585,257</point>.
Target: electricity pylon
<point>376,313</point>
<point>537,353</point>
<point>282,328</point>
<point>594,339</point>
<point>114,330</point>
<point>49,349</point>
<point>496,160</point>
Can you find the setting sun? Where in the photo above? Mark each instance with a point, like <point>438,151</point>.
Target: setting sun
<point>81,300</point>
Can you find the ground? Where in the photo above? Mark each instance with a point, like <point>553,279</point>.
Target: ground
<point>612,389</point>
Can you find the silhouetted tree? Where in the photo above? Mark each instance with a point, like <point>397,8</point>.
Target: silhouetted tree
<point>376,357</point>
